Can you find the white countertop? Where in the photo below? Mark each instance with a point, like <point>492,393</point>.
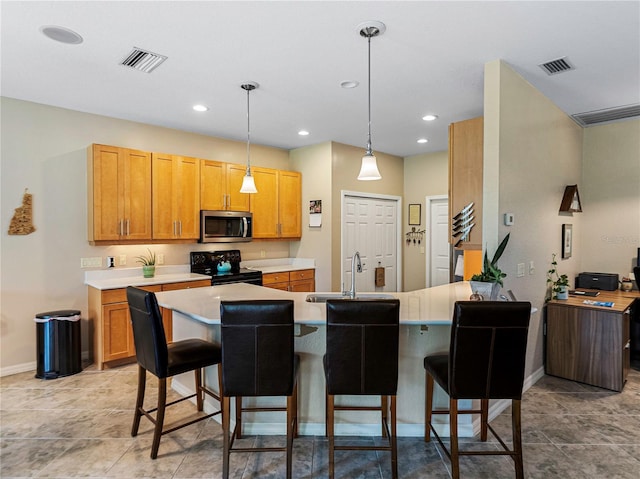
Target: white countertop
<point>122,277</point>
<point>279,265</point>
<point>431,306</point>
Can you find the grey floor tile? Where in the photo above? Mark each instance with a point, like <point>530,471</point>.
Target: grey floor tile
<point>80,426</point>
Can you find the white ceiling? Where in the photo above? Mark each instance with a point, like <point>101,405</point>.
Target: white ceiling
<point>429,60</point>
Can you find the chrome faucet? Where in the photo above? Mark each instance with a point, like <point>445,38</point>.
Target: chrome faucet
<point>356,267</point>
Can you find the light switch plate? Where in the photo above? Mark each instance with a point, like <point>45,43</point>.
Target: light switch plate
<point>509,219</point>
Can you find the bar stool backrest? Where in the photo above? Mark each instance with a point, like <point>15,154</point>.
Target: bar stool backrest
<point>362,347</point>
<point>148,332</point>
<point>488,349</point>
<point>257,347</point>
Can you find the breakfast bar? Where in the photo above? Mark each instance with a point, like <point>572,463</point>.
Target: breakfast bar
<point>425,318</point>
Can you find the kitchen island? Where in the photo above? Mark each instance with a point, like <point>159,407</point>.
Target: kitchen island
<point>425,319</point>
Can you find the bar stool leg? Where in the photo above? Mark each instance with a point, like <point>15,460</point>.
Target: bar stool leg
<point>394,440</point>
<point>516,427</point>
<point>142,383</point>
<point>484,418</point>
<point>226,440</point>
<point>162,402</point>
<point>428,407</point>
<point>199,392</point>
<point>453,427</point>
<point>295,406</point>
<point>290,431</point>
<point>384,407</point>
<point>330,432</point>
<point>238,428</point>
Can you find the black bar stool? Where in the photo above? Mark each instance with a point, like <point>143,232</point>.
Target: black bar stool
<point>258,360</point>
<point>362,359</point>
<point>485,361</point>
<point>164,360</point>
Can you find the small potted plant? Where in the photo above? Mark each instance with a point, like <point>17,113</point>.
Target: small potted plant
<point>148,263</point>
<point>558,284</point>
<point>487,283</point>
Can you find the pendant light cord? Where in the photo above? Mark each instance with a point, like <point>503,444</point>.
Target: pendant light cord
<point>248,137</point>
<point>369,152</point>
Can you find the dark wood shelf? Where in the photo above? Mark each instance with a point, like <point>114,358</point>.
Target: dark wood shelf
<point>571,200</point>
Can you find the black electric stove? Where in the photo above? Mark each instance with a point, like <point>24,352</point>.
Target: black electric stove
<point>206,262</point>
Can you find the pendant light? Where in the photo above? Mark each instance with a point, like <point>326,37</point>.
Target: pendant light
<point>248,183</point>
<point>369,169</point>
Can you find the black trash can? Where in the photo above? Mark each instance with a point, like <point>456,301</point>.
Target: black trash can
<point>58,343</point>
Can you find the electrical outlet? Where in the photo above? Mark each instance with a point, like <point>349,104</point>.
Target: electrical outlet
<point>532,268</point>
<point>160,258</point>
<point>263,253</point>
<point>520,270</point>
<point>95,262</point>
<point>123,259</point>
<point>111,261</point>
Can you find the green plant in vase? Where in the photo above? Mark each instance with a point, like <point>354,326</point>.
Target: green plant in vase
<point>557,284</point>
<point>487,283</point>
<point>148,263</point>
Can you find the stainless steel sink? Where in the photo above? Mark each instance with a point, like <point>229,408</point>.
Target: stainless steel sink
<point>323,297</point>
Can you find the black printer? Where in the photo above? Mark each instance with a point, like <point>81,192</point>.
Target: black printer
<point>603,281</point>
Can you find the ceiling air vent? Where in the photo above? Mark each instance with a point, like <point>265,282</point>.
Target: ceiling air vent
<point>609,114</point>
<point>143,60</point>
<point>559,65</point>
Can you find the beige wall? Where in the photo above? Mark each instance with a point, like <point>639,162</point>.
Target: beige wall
<point>44,150</point>
<point>610,197</point>
<point>345,166</point>
<point>532,151</point>
<point>315,164</point>
<point>424,175</point>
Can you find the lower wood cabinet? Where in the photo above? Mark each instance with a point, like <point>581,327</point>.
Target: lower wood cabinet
<point>589,344</point>
<point>112,336</point>
<point>299,281</point>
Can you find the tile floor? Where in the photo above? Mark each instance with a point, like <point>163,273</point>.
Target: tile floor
<point>79,426</point>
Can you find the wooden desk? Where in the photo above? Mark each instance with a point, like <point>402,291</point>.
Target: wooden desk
<point>589,343</point>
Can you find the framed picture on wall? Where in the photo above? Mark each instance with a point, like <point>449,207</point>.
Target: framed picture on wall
<point>567,233</point>
<point>414,214</point>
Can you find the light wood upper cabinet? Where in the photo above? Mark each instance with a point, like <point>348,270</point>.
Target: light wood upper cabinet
<point>176,197</point>
<point>264,204</point>
<point>119,194</point>
<point>466,139</point>
<point>290,204</point>
<point>276,208</point>
<point>220,186</point>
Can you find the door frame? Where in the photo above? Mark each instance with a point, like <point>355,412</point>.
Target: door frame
<point>375,196</point>
<point>428,202</point>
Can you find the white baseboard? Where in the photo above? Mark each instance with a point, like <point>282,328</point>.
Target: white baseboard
<point>31,366</point>
<point>18,368</point>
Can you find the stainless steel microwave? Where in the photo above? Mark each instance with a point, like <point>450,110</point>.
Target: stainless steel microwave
<point>220,226</point>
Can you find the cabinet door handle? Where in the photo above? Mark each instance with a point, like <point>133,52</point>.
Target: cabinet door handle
<point>174,228</point>
<point>180,226</point>
<point>120,228</point>
<point>128,229</point>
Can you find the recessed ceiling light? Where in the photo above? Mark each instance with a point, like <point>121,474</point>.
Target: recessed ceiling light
<point>423,140</point>
<point>303,133</point>
<point>200,107</point>
<point>349,84</point>
<point>430,117</point>
<point>61,34</point>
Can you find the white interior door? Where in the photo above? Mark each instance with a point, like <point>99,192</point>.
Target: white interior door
<point>370,226</point>
<point>438,240</point>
